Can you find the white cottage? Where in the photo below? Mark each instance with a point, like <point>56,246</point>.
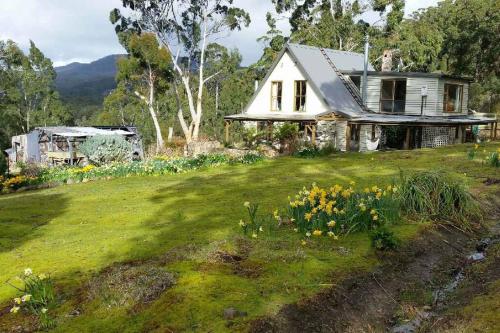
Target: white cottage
<point>321,89</point>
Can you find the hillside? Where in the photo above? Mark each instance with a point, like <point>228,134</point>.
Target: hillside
<point>87,84</point>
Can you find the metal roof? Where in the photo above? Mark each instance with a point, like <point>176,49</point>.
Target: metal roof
<point>437,75</point>
<point>343,60</point>
<point>69,132</point>
<point>272,117</point>
<point>323,78</point>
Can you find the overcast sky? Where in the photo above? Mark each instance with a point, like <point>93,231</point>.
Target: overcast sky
<point>76,30</point>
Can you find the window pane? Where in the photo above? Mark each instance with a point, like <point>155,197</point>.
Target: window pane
<point>386,106</point>
<point>357,81</point>
<point>453,98</point>
<point>399,106</point>
<point>387,88</point>
<point>400,93</point>
<point>300,95</point>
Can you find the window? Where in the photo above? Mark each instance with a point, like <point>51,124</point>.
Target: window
<point>276,95</point>
<point>393,96</point>
<point>357,81</point>
<point>300,96</point>
<point>452,98</point>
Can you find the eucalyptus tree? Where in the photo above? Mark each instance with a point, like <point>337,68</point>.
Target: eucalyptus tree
<point>146,71</point>
<point>185,28</point>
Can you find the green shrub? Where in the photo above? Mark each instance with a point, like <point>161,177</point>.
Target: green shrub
<point>287,131</point>
<point>251,136</point>
<point>3,164</point>
<point>309,151</point>
<point>383,239</point>
<point>31,169</point>
<point>437,196</point>
<point>494,159</point>
<point>38,298</point>
<point>103,149</point>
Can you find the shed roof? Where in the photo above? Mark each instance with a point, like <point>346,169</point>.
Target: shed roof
<point>69,132</point>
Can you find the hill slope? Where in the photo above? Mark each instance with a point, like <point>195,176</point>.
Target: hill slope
<point>87,84</point>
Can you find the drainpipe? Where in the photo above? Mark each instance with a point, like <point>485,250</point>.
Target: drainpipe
<point>365,71</point>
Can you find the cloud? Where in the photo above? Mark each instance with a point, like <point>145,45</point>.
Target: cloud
<point>70,30</point>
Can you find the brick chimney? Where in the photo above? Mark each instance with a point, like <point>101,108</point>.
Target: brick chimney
<point>387,61</point>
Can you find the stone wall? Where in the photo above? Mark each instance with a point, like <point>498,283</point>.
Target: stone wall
<point>438,136</point>
<point>325,133</point>
<point>341,141</point>
<point>365,138</point>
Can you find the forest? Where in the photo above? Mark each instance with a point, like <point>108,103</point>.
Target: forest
<point>177,74</point>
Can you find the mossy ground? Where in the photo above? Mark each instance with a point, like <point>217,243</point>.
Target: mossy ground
<point>73,232</point>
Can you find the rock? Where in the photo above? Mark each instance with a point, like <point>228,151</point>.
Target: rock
<point>476,256</point>
<point>232,313</point>
<point>201,147</point>
<point>483,244</point>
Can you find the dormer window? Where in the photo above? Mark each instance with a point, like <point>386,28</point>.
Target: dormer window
<point>300,96</point>
<point>276,96</point>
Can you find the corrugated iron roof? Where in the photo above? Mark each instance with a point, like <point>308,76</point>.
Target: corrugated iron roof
<point>323,78</point>
<point>81,131</point>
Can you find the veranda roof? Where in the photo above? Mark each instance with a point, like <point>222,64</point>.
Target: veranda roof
<point>370,118</point>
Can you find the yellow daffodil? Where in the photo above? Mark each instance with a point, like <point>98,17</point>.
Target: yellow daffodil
<point>314,210</point>
<point>242,223</point>
<point>14,309</point>
<point>44,310</point>
<point>374,188</point>
<point>308,234</point>
<point>352,183</point>
<point>28,272</point>
<point>373,212</point>
<point>303,242</point>
<point>26,298</point>
<point>317,232</point>
<point>375,217</point>
<point>261,229</point>
<point>17,300</point>
<point>247,204</point>
<point>308,216</point>
<point>476,146</point>
<point>42,276</point>
<point>378,195</point>
<point>254,235</point>
<point>296,230</point>
<point>331,224</point>
<point>366,190</point>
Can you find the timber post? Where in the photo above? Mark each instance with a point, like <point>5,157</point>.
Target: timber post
<point>407,139</point>
<point>496,129</point>
<point>313,134</point>
<point>227,125</point>
<point>348,137</point>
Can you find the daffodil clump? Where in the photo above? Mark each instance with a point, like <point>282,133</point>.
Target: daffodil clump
<point>254,225</point>
<point>16,182</point>
<point>37,297</point>
<point>339,210</point>
<point>152,167</point>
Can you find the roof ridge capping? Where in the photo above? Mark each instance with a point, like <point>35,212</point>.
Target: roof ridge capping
<point>324,48</point>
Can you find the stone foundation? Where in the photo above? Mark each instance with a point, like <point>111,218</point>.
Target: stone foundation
<point>365,138</point>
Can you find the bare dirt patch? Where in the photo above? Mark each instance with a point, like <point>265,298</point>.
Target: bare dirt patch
<point>374,301</point>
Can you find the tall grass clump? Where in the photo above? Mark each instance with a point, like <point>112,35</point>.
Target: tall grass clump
<point>437,196</point>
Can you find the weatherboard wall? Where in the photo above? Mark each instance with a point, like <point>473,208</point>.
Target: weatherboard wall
<point>433,105</point>
<point>287,72</point>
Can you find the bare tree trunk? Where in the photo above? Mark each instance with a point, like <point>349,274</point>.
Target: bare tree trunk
<point>160,143</point>
<point>201,83</point>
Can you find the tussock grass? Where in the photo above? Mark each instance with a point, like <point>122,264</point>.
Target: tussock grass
<point>438,196</point>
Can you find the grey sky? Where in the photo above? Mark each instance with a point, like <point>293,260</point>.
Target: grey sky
<point>75,30</point>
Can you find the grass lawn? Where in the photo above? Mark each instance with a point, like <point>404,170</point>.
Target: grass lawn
<point>73,232</point>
